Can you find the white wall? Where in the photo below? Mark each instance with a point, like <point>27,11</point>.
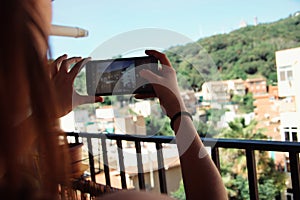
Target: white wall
<point>290,123</point>
<point>289,58</point>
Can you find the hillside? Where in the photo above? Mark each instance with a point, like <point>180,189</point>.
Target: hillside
<point>243,53</point>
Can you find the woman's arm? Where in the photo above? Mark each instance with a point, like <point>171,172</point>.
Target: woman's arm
<point>201,178</point>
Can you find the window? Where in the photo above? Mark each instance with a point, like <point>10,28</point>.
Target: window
<point>285,73</point>
<point>294,134</point>
<point>287,136</point>
<point>291,134</point>
<point>282,76</point>
<point>289,75</point>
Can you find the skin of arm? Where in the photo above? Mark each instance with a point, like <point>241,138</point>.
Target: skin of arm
<point>201,178</point>
<point>200,175</point>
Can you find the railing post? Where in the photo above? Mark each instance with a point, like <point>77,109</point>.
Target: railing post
<point>161,169</point>
<point>91,159</point>
<point>252,176</point>
<point>76,138</point>
<point>215,157</point>
<point>294,165</point>
<point>121,163</point>
<point>140,165</point>
<point>105,161</point>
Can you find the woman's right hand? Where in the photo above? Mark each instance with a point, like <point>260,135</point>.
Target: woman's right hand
<point>63,76</point>
<point>165,84</point>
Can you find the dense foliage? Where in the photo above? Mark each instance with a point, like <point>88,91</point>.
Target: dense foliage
<point>245,102</point>
<point>243,53</point>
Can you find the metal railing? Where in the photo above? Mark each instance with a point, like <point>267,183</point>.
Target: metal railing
<point>250,146</point>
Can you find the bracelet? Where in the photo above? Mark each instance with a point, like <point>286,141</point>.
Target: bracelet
<point>179,115</point>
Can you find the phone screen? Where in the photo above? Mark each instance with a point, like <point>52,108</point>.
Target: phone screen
<point>119,76</point>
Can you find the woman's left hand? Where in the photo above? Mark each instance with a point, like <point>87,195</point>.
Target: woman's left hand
<point>63,78</point>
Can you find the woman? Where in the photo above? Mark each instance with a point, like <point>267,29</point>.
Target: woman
<point>33,158</point>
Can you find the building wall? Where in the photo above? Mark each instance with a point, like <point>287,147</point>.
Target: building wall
<point>256,86</point>
<point>288,64</point>
<point>290,126</point>
<point>267,115</point>
<point>239,87</point>
<point>134,125</point>
<point>215,91</point>
<point>273,91</point>
<point>221,91</point>
<point>140,125</point>
<point>288,75</point>
<point>173,178</point>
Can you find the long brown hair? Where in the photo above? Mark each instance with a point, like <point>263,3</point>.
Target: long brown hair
<point>31,161</point>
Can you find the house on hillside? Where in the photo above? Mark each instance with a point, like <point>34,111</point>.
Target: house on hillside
<point>256,86</point>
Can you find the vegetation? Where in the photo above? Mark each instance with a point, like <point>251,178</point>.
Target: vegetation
<point>233,165</point>
<point>158,126</point>
<point>243,53</point>
<point>245,102</point>
<point>180,193</point>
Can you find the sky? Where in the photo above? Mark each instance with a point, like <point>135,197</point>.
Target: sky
<point>113,24</point>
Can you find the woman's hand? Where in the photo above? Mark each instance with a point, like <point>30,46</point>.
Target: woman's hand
<point>198,170</point>
<point>165,85</point>
<point>63,78</point>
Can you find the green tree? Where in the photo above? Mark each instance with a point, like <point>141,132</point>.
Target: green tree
<point>158,126</point>
<point>233,165</point>
<point>245,102</point>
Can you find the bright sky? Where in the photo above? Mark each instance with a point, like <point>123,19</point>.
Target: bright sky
<point>194,19</point>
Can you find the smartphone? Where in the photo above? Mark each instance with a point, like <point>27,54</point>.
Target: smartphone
<point>119,76</point>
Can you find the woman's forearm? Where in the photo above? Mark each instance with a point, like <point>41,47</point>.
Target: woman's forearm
<point>200,176</point>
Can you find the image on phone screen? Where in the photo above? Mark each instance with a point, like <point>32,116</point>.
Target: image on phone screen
<point>119,76</point>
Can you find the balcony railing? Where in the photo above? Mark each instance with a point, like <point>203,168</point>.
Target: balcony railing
<point>250,146</point>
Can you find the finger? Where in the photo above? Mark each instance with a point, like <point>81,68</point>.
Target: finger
<point>81,99</point>
<point>66,63</point>
<point>54,66</point>
<point>160,56</point>
<point>150,76</point>
<point>77,68</point>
